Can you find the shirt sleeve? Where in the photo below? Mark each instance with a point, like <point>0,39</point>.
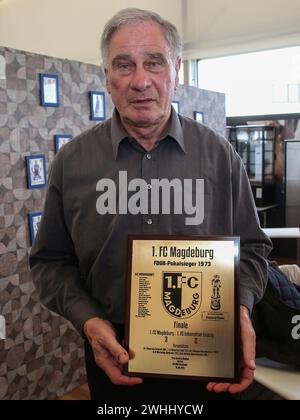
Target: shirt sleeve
<point>53,261</point>
<point>255,245</point>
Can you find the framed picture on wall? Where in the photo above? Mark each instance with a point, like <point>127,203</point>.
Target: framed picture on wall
<point>49,86</point>
<point>175,105</point>
<point>36,171</point>
<point>60,140</point>
<point>198,116</point>
<point>34,219</point>
<point>97,105</point>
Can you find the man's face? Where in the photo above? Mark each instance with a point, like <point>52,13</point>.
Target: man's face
<point>140,75</point>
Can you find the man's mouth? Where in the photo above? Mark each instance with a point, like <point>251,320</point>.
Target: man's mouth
<point>143,101</point>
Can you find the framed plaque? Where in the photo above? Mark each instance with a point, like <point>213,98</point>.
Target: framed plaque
<point>34,224</point>
<point>198,116</point>
<point>182,317</point>
<point>97,105</point>
<point>60,140</point>
<point>36,171</point>
<point>49,93</point>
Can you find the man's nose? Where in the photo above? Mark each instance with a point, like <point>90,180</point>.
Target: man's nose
<point>140,79</point>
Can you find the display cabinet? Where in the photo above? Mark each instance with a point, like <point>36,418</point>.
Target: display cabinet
<point>292,183</point>
<point>256,146</point>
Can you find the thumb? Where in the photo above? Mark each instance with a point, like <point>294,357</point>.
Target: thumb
<point>118,352</point>
<point>248,344</point>
<point>249,358</point>
<point>248,340</point>
<point>123,357</point>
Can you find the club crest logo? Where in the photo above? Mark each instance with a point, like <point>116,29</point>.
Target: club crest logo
<point>182,293</point>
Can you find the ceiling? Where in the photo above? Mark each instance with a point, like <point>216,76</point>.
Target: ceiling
<point>71,29</point>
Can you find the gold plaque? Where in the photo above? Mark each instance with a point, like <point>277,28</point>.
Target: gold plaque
<point>182,308</point>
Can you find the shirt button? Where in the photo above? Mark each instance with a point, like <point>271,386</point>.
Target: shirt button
<point>149,186</point>
<point>148,156</point>
<point>149,221</point>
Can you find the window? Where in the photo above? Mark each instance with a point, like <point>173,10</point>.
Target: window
<point>261,83</point>
<point>181,75</point>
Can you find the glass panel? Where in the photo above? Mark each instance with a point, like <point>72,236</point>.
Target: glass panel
<point>251,143</point>
<point>269,145</point>
<point>270,133</point>
<point>292,183</point>
<point>242,137</point>
<point>269,167</point>
<point>256,158</point>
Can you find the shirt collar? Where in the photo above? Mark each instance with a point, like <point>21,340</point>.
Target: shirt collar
<point>118,132</point>
<point>175,129</point>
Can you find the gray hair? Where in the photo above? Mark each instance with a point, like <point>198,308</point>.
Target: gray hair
<point>129,15</point>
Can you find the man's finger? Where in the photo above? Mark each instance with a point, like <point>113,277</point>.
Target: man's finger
<point>117,377</point>
<point>116,350</point>
<point>221,387</point>
<point>114,371</point>
<point>210,386</point>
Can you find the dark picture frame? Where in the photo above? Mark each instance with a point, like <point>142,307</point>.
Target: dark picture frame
<point>175,105</point>
<point>97,105</point>
<point>36,171</point>
<point>34,220</point>
<point>60,140</point>
<point>199,116</point>
<point>49,89</point>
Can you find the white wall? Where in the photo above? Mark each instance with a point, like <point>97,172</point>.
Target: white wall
<point>222,27</point>
<point>69,28</point>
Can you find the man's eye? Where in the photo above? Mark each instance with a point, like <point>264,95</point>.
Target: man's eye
<point>123,66</point>
<point>154,64</point>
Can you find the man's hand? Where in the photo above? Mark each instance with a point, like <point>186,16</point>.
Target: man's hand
<point>109,354</point>
<point>247,360</point>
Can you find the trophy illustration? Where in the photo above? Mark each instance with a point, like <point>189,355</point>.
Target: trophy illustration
<point>215,304</point>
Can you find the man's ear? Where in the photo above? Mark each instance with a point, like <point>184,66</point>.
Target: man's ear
<point>177,68</point>
<point>107,84</point>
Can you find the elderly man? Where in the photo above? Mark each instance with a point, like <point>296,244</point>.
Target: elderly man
<point>79,258</point>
